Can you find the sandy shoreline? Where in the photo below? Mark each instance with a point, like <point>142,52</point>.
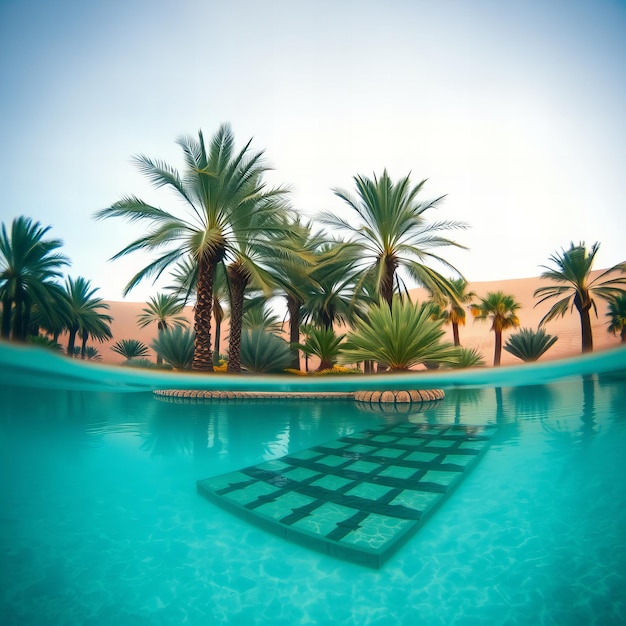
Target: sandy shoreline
<point>475,334</point>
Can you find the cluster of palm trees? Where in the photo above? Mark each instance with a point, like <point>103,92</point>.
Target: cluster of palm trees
<point>33,298</point>
<point>233,242</point>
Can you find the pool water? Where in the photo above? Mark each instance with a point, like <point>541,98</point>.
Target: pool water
<point>100,521</point>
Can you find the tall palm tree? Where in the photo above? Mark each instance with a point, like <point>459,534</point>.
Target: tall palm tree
<point>185,277</point>
<point>501,309</point>
<point>164,311</point>
<point>29,267</point>
<point>334,297</point>
<point>617,313</point>
<point>86,316</point>
<point>575,288</point>
<point>291,273</point>
<point>217,185</point>
<point>259,240</point>
<point>392,230</point>
<point>454,313</point>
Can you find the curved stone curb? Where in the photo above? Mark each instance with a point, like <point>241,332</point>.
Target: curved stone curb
<point>202,394</point>
<point>411,396</point>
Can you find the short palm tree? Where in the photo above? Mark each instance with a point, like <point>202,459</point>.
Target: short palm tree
<point>29,267</point>
<point>218,184</point>
<point>390,226</point>
<point>164,310</point>
<point>575,288</point>
<point>176,345</point>
<point>130,348</point>
<point>501,309</point>
<point>402,336</point>
<point>256,314</point>
<point>323,343</point>
<point>617,313</point>
<point>334,298</point>
<point>264,352</point>
<point>528,344</point>
<point>86,313</point>
<point>454,311</point>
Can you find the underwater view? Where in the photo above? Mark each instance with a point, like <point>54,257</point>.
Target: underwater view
<point>101,521</point>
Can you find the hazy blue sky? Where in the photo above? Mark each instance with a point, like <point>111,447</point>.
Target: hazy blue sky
<point>516,110</point>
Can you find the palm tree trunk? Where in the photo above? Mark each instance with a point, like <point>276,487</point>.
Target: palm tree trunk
<point>293,307</point>
<point>18,317</point>
<point>238,278</point>
<point>623,334</point>
<point>83,348</point>
<point>455,334</point>
<point>71,342</point>
<point>202,353</point>
<point>498,349</point>
<point>218,316</point>
<point>7,305</point>
<point>587,335</point>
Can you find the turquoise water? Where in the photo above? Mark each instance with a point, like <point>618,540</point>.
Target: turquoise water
<point>100,521</point>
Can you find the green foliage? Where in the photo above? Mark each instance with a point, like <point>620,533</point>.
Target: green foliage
<point>256,315</point>
<point>45,342</point>
<point>143,363</point>
<point>175,345</point>
<point>323,343</point>
<point>130,348</point>
<point>401,336</point>
<point>389,224</point>
<point>573,287</point>
<point>617,314</point>
<point>528,344</point>
<point>264,352</point>
<point>469,357</point>
<point>91,353</point>
<point>29,267</point>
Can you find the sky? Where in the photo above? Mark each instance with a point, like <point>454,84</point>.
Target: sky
<point>515,111</point>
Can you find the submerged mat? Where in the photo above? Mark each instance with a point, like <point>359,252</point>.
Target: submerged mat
<point>357,498</point>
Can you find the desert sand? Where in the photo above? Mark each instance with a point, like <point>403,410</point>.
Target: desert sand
<point>475,334</point>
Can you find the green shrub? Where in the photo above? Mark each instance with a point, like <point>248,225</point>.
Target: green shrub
<point>263,352</point>
<point>400,337</point>
<point>175,345</point>
<point>528,344</point>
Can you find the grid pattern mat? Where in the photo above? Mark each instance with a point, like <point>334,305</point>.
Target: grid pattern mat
<point>357,498</point>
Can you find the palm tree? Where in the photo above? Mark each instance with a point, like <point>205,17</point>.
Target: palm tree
<point>29,266</point>
<point>334,297</point>
<point>130,348</point>
<point>256,315</point>
<point>176,344</point>
<point>260,235</point>
<point>575,288</point>
<point>185,277</point>
<point>617,313</point>
<point>324,344</point>
<point>528,344</point>
<point>455,312</point>
<point>164,310</point>
<point>393,233</point>
<point>291,273</point>
<point>218,184</point>
<point>85,313</point>
<point>502,310</point>
<point>401,336</point>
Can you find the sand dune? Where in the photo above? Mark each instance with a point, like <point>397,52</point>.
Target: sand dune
<point>475,334</point>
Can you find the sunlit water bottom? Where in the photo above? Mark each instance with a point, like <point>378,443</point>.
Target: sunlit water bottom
<point>101,523</point>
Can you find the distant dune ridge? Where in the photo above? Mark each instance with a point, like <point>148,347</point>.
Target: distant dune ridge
<point>475,333</point>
